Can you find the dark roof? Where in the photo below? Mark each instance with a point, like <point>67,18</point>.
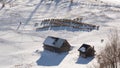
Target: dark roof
<point>86,46</point>
<point>54,41</point>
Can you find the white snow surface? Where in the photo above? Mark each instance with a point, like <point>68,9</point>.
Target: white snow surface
<point>23,48</point>
<point>112,1</point>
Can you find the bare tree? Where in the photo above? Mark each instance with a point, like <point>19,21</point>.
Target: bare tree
<point>110,56</point>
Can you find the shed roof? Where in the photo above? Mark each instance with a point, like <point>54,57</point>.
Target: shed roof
<point>54,41</point>
<point>84,47</point>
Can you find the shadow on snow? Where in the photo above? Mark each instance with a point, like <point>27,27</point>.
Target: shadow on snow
<point>82,60</point>
<point>50,58</point>
<point>62,28</point>
<point>33,12</point>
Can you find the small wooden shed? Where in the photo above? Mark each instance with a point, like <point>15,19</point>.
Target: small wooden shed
<point>55,44</point>
<point>86,51</point>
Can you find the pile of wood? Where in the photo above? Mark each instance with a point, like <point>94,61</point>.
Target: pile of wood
<point>75,23</point>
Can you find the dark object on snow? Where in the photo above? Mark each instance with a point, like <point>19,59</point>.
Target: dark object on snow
<point>86,51</point>
<point>102,40</point>
<point>55,44</point>
<point>3,5</point>
<point>71,1</point>
<point>36,24</point>
<point>98,27</point>
<point>19,25</point>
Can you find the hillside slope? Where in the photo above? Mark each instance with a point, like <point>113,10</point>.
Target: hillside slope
<point>22,48</point>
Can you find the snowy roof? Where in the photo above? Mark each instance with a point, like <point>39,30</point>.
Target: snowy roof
<point>53,41</point>
<point>84,47</point>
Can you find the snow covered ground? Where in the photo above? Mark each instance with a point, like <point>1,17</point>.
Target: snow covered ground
<point>112,1</point>
<point>23,48</point>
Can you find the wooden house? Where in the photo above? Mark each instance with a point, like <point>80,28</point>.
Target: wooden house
<point>55,44</point>
<point>86,51</point>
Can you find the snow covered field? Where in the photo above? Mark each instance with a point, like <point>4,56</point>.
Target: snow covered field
<point>23,48</point>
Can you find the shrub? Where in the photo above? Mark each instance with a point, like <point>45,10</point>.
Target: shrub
<point>110,56</point>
